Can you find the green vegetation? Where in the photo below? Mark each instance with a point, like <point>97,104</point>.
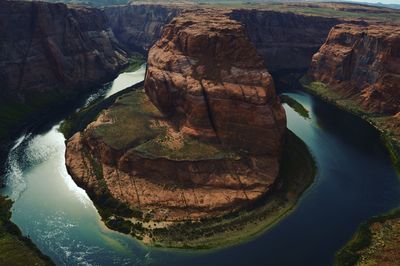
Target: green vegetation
<point>138,125</point>
<point>393,149</point>
<point>15,113</point>
<point>135,62</point>
<point>188,149</point>
<point>296,175</point>
<point>343,14</point>
<point>350,254</point>
<point>16,249</point>
<point>80,119</point>
<point>94,3</point>
<point>388,126</point>
<point>332,10</point>
<point>296,106</point>
<point>335,97</point>
<point>131,117</point>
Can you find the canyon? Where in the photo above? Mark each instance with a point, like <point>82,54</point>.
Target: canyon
<point>137,27</point>
<point>187,158</point>
<point>203,141</point>
<point>50,53</point>
<point>363,61</point>
<point>286,41</point>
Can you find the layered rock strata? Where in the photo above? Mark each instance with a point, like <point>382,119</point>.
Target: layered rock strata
<point>209,79</point>
<point>203,141</point>
<point>362,62</point>
<point>138,27</point>
<point>286,41</point>
<point>54,47</point>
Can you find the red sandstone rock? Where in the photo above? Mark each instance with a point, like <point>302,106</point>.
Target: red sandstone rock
<point>363,62</point>
<point>206,74</point>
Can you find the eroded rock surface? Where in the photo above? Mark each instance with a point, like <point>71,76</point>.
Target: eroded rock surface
<point>208,142</point>
<point>364,63</point>
<point>54,48</point>
<point>286,41</point>
<point>208,77</point>
<point>138,26</point>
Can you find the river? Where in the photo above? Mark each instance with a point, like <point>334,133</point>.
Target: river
<point>355,181</point>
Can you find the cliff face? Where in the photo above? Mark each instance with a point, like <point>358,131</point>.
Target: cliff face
<point>208,142</point>
<point>52,47</point>
<point>286,41</point>
<point>362,62</point>
<point>214,84</point>
<point>137,27</point>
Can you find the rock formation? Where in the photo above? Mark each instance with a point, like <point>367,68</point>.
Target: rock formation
<point>54,48</point>
<point>362,62</point>
<point>208,142</point>
<point>286,41</point>
<point>49,52</point>
<point>137,27</point>
<point>213,84</point>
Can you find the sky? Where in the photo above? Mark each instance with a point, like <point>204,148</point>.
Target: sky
<point>381,1</point>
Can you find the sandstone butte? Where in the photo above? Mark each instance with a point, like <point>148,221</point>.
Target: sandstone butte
<point>359,68</point>
<point>203,140</point>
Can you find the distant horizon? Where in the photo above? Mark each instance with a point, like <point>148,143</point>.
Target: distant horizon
<point>377,1</point>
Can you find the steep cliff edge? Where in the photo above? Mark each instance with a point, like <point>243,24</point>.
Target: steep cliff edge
<point>200,74</point>
<point>48,54</point>
<point>199,145</point>
<point>137,27</point>
<point>358,68</point>
<point>49,51</point>
<point>49,47</point>
<point>16,249</point>
<point>286,41</point>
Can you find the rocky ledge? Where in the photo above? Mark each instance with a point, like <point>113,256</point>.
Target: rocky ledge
<point>202,140</point>
<point>364,62</point>
<point>358,68</point>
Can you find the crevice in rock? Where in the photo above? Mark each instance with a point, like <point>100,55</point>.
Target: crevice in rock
<point>133,181</point>
<point>209,111</point>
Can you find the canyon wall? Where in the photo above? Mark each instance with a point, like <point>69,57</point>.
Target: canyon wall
<point>286,41</point>
<point>363,63</point>
<point>137,27</point>
<point>53,47</point>
<point>47,53</point>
